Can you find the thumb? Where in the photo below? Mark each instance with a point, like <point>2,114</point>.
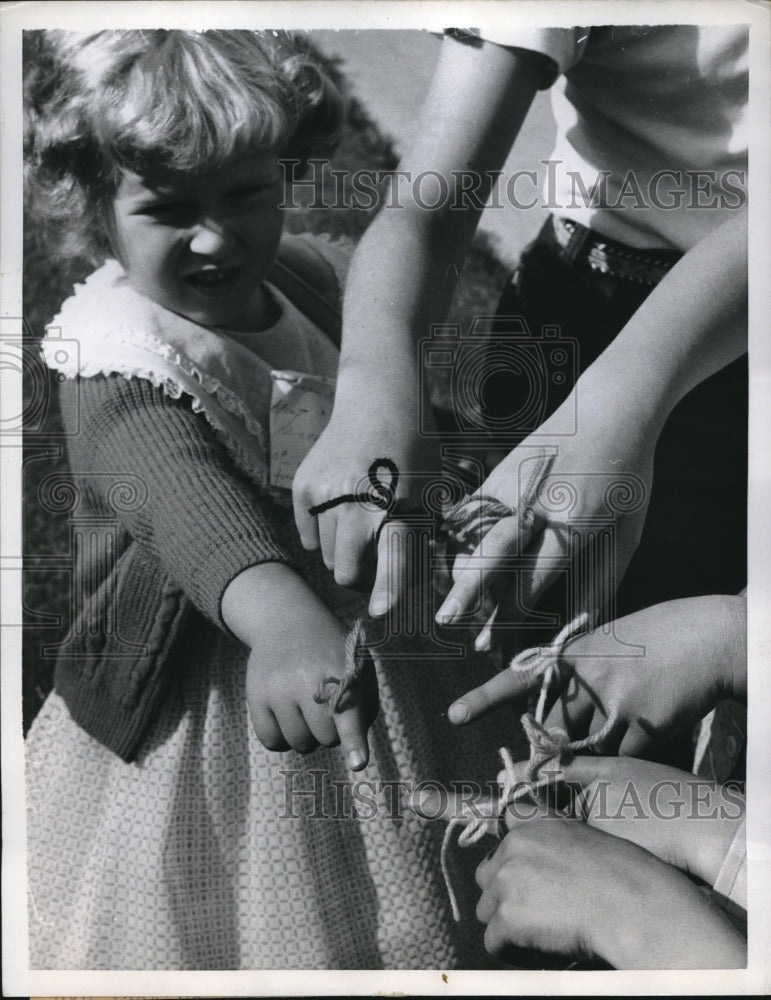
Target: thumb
<point>637,740</point>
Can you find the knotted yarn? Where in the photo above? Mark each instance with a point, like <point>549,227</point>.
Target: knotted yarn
<point>467,522</point>
<point>546,744</point>
<point>332,690</point>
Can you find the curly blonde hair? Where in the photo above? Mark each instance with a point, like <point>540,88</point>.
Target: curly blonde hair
<point>102,104</point>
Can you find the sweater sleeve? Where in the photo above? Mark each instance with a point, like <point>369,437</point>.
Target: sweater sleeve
<point>199,516</point>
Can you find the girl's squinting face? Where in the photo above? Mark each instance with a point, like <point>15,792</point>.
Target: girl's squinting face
<point>201,245</point>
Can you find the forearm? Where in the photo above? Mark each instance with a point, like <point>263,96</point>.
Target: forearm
<point>691,325</point>
<point>201,520</point>
<point>401,281</point>
<point>405,270</point>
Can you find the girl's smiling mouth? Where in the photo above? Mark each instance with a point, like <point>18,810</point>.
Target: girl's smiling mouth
<point>215,280</point>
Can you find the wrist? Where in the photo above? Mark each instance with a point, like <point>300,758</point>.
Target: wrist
<point>622,937</point>
<point>259,594</point>
<point>715,630</point>
<point>664,921</point>
<point>625,392</point>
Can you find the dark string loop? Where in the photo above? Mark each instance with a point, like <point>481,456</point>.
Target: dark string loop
<point>380,494</point>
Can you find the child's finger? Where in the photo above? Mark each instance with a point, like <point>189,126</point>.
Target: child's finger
<point>352,731</point>
<point>327,530</point>
<point>354,558</point>
<point>353,719</point>
<point>307,524</point>
<point>484,640</point>
<point>396,564</point>
<point>295,729</point>
<point>550,561</point>
<point>475,575</point>
<point>321,723</point>
<point>384,590</point>
<point>573,711</point>
<point>503,687</point>
<point>432,802</point>
<point>268,730</point>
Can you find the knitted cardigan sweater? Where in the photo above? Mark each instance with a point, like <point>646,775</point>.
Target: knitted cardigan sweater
<point>164,516</point>
<point>159,540</point>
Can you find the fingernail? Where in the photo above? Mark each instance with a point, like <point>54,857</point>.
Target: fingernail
<point>447,612</point>
<point>482,642</point>
<point>355,760</point>
<point>378,606</point>
<point>458,713</point>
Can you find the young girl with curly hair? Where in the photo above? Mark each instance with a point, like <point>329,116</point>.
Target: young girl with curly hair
<point>165,830</point>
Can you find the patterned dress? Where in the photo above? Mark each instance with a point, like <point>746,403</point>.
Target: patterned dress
<point>208,851</point>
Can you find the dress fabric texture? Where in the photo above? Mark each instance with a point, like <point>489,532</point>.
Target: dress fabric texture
<point>203,850</point>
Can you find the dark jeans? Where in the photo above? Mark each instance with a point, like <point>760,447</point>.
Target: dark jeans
<point>695,535</point>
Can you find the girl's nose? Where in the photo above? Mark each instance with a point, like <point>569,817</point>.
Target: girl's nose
<point>211,238</point>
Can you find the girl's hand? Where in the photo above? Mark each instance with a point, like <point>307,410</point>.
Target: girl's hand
<point>297,644</point>
<point>684,820</point>
<point>558,885</point>
<point>337,465</point>
<point>566,488</point>
<point>655,672</point>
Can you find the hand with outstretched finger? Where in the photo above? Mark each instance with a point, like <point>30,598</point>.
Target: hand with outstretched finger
<point>653,674</point>
<point>559,488</point>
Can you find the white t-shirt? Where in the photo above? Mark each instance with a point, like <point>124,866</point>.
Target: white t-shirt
<point>659,112</point>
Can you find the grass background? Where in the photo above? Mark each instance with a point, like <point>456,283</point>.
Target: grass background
<point>47,282</point>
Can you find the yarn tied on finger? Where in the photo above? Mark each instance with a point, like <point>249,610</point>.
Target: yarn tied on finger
<point>332,690</point>
<point>550,744</point>
<point>467,522</point>
<point>546,744</point>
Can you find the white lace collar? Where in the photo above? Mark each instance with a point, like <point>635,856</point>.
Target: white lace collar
<point>108,328</point>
